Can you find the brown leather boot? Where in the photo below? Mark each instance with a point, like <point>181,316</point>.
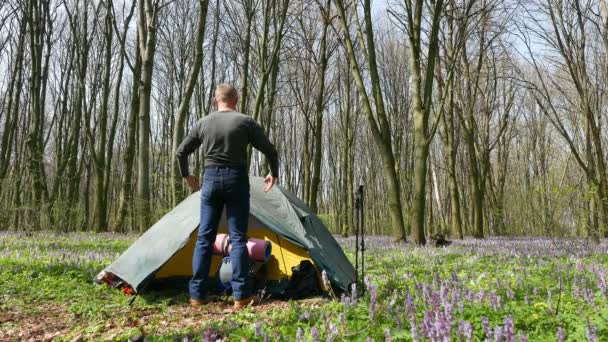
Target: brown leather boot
<point>242,303</point>
<point>199,302</point>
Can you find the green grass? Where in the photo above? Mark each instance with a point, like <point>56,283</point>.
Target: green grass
<point>46,288</point>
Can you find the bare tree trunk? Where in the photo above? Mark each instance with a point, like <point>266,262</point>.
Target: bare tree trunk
<point>127,180</point>
<point>421,92</point>
<point>216,30</point>
<point>306,161</point>
<point>10,119</point>
<point>249,14</point>
<point>111,141</point>
<point>147,20</point>
<point>267,122</point>
<point>38,12</point>
<point>182,111</point>
<point>82,46</point>
<point>450,142</point>
<point>99,157</point>
<point>269,61</point>
<point>379,127</point>
<point>452,150</point>
<point>568,36</point>
<point>319,107</point>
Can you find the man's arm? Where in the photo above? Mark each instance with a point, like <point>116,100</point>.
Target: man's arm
<point>260,141</point>
<point>189,145</point>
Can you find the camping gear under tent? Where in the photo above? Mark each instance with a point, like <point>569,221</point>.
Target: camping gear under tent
<point>164,251</point>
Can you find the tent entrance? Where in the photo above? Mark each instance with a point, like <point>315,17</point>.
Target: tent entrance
<point>285,255</point>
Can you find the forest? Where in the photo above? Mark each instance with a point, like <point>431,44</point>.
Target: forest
<point>462,117</point>
<point>481,121</point>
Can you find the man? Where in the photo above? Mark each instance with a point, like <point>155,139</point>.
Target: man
<point>224,136</point>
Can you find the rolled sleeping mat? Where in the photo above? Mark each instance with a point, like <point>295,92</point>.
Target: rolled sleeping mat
<point>258,249</point>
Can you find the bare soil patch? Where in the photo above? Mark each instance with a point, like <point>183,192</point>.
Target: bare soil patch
<point>42,322</point>
<point>52,321</point>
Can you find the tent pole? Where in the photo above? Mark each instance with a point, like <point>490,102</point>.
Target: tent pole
<point>361,196</point>
<point>357,242</point>
<point>133,299</point>
<point>360,243</point>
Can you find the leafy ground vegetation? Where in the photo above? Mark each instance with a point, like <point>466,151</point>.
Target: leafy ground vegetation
<point>490,290</point>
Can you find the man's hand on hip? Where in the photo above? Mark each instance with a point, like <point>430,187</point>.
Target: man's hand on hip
<point>193,182</point>
<point>269,181</point>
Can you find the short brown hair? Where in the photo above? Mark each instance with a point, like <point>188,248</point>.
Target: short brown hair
<point>226,93</point>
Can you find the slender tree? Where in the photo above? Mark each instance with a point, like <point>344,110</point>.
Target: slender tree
<point>319,108</point>
<point>147,20</point>
<point>376,119</point>
<point>182,111</point>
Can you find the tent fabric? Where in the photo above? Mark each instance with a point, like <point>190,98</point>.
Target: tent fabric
<point>284,254</point>
<point>278,210</point>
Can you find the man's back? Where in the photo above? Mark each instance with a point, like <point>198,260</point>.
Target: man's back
<point>223,137</point>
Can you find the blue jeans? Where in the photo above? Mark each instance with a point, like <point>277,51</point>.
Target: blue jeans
<point>229,187</point>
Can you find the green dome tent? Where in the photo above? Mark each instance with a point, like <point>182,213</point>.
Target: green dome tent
<point>165,250</point>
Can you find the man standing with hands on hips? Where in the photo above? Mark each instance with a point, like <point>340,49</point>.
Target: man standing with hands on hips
<point>224,136</point>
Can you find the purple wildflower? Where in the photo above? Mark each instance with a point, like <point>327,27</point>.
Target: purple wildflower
<point>465,331</point>
<point>485,324</point>
<point>387,335</point>
<point>345,302</point>
<point>373,295</point>
<point>333,332</point>
<point>314,334</point>
<point>590,332</point>
<point>575,292</point>
<point>413,328</point>
<point>580,267</point>
<point>509,329</point>
<point>299,335</point>
<point>494,300</point>
<point>498,334</point>
<point>560,335</point>
<point>589,296</point>
<point>410,307</point>
<point>436,325</point>
<point>523,337</point>
<point>603,286</point>
<point>258,329</point>
<point>209,335</point>
<point>481,295</point>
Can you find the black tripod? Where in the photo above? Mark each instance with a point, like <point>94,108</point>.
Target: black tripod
<point>359,242</point>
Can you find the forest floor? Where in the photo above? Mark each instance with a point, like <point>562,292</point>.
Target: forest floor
<point>497,289</point>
